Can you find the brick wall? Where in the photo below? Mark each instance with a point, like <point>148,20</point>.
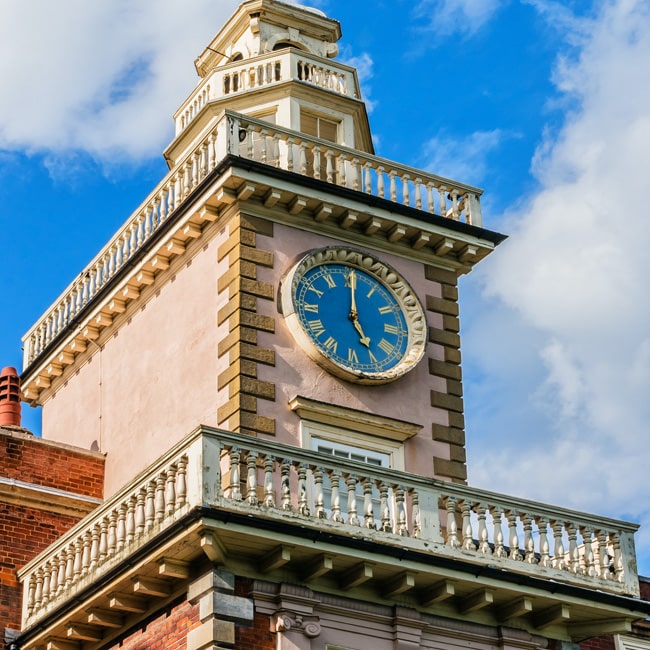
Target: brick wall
<point>26,530</point>
<point>599,643</point>
<point>167,631</point>
<point>33,460</point>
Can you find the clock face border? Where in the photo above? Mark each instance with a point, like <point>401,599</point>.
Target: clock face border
<point>389,279</point>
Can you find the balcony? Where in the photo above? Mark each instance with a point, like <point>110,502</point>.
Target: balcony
<point>333,524</point>
<point>192,193</point>
<point>264,71</point>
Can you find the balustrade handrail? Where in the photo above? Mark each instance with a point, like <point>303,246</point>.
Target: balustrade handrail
<point>278,146</point>
<point>295,65</point>
<point>228,471</point>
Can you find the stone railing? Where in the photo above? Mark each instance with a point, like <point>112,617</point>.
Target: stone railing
<point>235,134</point>
<point>275,67</point>
<point>248,475</point>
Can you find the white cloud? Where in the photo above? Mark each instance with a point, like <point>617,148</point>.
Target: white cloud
<point>446,17</point>
<point>575,271</point>
<point>464,156</point>
<point>103,77</point>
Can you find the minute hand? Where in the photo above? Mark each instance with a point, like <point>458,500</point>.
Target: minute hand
<point>354,315</point>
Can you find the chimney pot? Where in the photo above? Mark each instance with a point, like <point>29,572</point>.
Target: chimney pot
<point>9,397</point>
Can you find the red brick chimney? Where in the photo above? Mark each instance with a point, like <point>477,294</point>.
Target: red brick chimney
<point>9,398</point>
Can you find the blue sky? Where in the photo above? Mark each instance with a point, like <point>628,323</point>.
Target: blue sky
<point>544,104</point>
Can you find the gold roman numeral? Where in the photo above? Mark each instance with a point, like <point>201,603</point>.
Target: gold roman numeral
<point>329,280</point>
<point>331,344</point>
<point>386,309</point>
<point>386,346</point>
<point>352,356</point>
<point>391,329</point>
<point>373,358</point>
<point>316,326</point>
<point>316,291</point>
<point>312,308</point>
<point>372,290</point>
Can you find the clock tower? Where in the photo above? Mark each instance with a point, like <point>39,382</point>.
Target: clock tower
<point>267,355</point>
<point>282,278</point>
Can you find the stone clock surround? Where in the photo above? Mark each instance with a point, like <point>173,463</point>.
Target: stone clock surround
<point>255,385</point>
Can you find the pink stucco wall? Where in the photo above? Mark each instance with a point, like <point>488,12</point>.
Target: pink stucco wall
<point>155,378</point>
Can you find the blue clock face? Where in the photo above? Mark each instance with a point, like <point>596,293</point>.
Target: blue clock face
<point>352,318</point>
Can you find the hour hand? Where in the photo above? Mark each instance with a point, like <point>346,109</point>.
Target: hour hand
<point>357,326</point>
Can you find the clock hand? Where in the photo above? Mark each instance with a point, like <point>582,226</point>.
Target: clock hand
<point>354,314</point>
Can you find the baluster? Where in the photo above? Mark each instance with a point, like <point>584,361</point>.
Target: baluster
<point>384,509</point>
<point>187,179</point>
<point>317,153</point>
<point>38,594</point>
<point>269,499</point>
<point>454,204</point>
<point>619,566</point>
<point>103,541</point>
<point>46,582</point>
<point>150,505</point>
<point>196,165</point>
<point>499,547</point>
<point>402,528</point>
<point>170,490</point>
<point>235,492</point>
<point>263,143</point>
<point>406,192</point>
<point>468,537</point>
<point>120,533</point>
<point>181,482</point>
<point>303,505</point>
<point>415,513</point>
<point>418,193</point>
<point>112,536</point>
<point>351,483</point>
<point>63,565</point>
<point>319,499</point>
<point>368,515</point>
<point>574,559</point>
<point>483,543</point>
<point>130,520</point>
<point>77,566</point>
<point>85,554</point>
<point>251,478</point>
<point>276,150</point>
<point>381,189</point>
<point>559,561</point>
<point>162,200</point>
<point>452,530</point>
<point>159,499</point>
<point>203,161</point>
<point>442,191</point>
<point>342,180</point>
<point>336,497</point>
<point>212,138</point>
<point>329,154</point>
<point>250,133</point>
<point>529,544</point>
<point>513,538</point>
<point>356,176</point>
<point>367,178</point>
<point>393,186</point>
<point>31,595</point>
<point>54,577</point>
<point>544,548</point>
<point>588,553</point>
<point>303,158</point>
<point>603,556</point>
<point>140,520</point>
<point>290,143</point>
<point>285,485</point>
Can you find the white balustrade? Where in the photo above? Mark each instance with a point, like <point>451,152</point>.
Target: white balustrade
<point>346,497</point>
<point>237,135</point>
